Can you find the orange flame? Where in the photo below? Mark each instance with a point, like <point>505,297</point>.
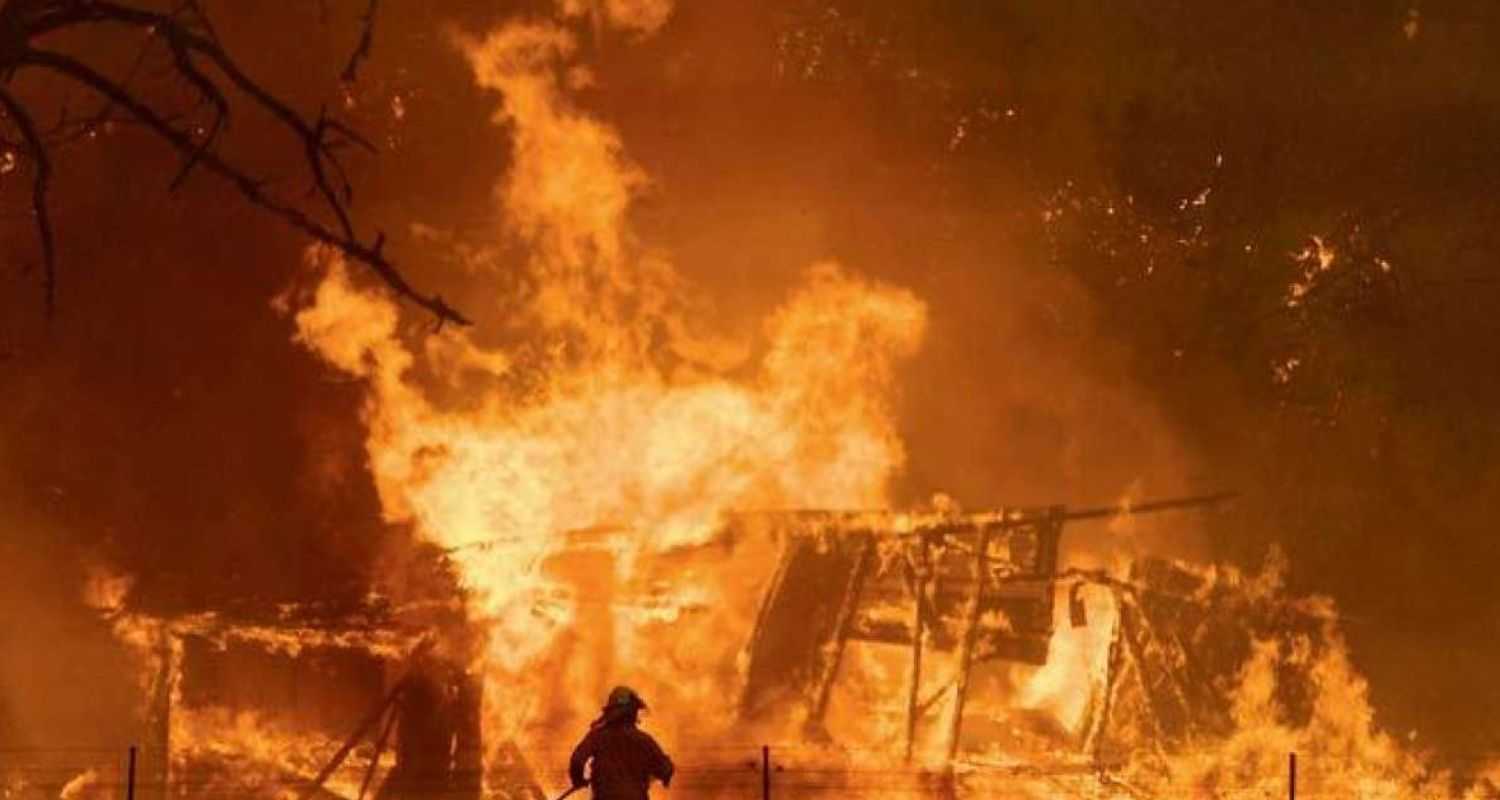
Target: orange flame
<point>612,433</point>
<point>583,426</point>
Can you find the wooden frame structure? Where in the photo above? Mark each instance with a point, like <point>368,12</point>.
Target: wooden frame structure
<point>980,585</point>
<point>420,682</point>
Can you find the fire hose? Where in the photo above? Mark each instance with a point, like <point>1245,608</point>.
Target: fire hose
<point>570,791</point>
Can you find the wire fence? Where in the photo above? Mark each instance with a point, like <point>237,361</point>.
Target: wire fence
<point>721,771</point>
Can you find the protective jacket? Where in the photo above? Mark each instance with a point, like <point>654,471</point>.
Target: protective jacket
<point>622,758</point>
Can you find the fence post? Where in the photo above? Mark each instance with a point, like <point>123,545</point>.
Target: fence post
<point>765,772</point>
<point>130,776</point>
<point>1291,776</point>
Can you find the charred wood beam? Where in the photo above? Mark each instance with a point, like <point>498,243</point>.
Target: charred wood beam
<point>360,732</point>
<point>1131,621</point>
<point>159,765</point>
<point>842,630</point>
<point>936,695</point>
<point>387,704</point>
<point>919,576</point>
<point>908,524</point>
<point>468,745</point>
<point>952,530</point>
<point>1098,725</point>
<point>380,743</point>
<point>1049,535</point>
<point>970,637</point>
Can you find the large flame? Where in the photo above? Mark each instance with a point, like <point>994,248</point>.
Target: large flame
<point>610,411</point>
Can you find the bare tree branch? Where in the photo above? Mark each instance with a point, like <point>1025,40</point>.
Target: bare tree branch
<point>366,41</point>
<point>41,180</point>
<point>193,45</point>
<point>251,188</point>
<point>210,92</point>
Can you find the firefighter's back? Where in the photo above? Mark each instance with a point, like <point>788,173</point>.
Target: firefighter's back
<point>625,759</point>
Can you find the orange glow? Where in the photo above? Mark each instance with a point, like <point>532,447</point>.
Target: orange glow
<point>580,454</point>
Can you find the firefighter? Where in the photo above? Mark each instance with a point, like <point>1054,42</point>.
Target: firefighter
<point>622,758</point>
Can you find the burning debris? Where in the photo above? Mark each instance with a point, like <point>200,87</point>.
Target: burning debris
<point>253,699</point>
<point>981,585</point>
<point>1180,664</point>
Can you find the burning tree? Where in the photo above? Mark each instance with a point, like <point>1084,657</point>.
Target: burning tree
<point>35,37</point>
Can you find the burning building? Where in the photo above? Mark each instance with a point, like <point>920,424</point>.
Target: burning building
<point>387,701</point>
<point>981,586</point>
<point>615,478</point>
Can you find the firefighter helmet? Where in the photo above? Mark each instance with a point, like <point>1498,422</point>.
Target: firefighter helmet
<point>623,697</point>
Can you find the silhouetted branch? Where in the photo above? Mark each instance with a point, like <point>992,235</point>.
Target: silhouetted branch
<point>198,58</point>
<point>366,40</point>
<point>249,187</point>
<point>41,180</point>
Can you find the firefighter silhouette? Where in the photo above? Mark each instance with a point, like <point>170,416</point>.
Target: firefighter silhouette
<point>622,759</point>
